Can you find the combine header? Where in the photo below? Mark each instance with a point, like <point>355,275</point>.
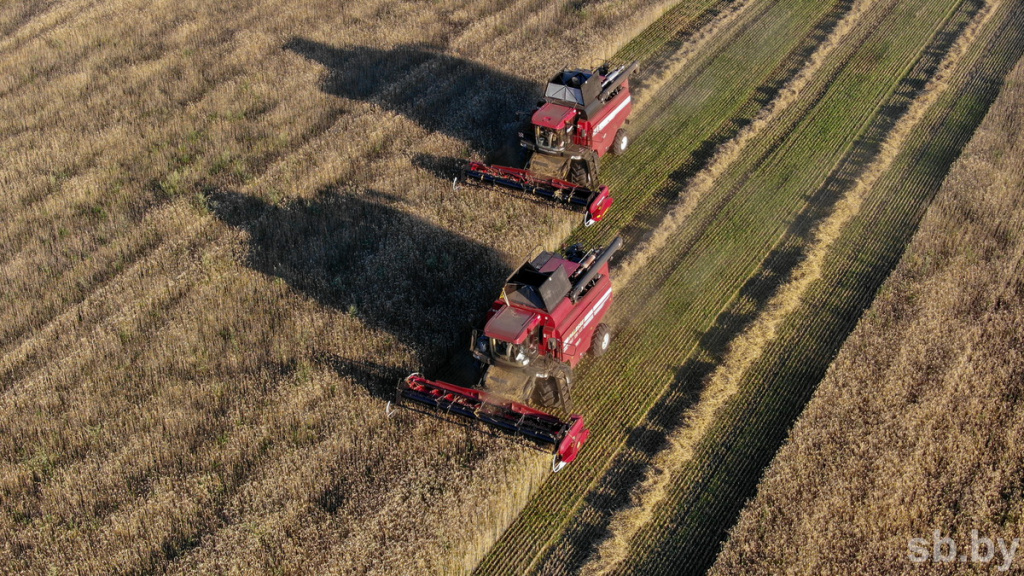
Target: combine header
<point>580,119</point>
<point>547,318</point>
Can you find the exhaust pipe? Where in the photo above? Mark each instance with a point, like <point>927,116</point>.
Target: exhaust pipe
<point>606,255</point>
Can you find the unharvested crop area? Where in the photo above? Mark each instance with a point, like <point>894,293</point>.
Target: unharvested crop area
<point>917,425</point>
<point>227,230</point>
<point>229,227</point>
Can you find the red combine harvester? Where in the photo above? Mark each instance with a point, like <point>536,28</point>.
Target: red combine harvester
<point>580,119</point>
<point>547,318</point>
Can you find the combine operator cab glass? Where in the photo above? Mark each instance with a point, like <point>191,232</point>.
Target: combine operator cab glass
<point>508,352</point>
<point>550,140</point>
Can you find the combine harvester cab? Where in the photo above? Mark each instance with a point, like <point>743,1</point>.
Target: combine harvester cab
<point>546,320</point>
<point>581,118</point>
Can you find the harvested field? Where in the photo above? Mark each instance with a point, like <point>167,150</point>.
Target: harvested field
<point>935,363</point>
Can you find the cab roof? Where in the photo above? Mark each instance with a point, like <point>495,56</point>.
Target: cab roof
<point>554,116</point>
<point>511,324</point>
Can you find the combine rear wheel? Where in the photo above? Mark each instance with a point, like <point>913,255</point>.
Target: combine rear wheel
<point>545,392</point>
<point>620,143</point>
<point>561,377</point>
<point>554,389</point>
<point>602,340</point>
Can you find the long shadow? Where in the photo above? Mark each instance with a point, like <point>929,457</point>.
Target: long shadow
<point>424,285</point>
<point>443,167</point>
<point>440,92</point>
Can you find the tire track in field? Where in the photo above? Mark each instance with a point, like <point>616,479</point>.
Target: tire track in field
<point>134,141</point>
<point>13,21</point>
<point>40,24</point>
<point>765,153</point>
<point>524,13</point>
<point>611,492</point>
<point>726,473</point>
<point>641,224</point>
<point>695,46</point>
<point>61,205</point>
<point>749,345</point>
<point>668,67</point>
<point>733,150</point>
<point>789,93</point>
<point>53,390</point>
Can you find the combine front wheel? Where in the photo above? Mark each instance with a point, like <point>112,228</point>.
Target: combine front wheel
<point>578,173</point>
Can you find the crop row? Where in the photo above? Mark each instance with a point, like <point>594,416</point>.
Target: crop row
<point>780,261</point>
<point>938,345</point>
<point>686,284</point>
<point>706,494</point>
<point>784,254</point>
<point>645,376</point>
<point>704,104</point>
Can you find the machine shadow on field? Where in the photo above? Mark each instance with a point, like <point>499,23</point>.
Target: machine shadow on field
<point>440,92</point>
<point>444,167</point>
<point>359,254</point>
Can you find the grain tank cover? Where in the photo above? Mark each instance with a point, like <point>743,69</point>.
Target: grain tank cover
<point>575,88</point>
<point>554,289</point>
<point>529,287</point>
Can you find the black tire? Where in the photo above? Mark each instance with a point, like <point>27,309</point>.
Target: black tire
<point>554,389</point>
<point>561,377</point>
<point>545,392</point>
<point>601,341</point>
<point>578,173</point>
<point>620,143</point>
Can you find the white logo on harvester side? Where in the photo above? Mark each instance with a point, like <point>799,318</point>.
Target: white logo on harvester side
<point>589,318</point>
<point>614,113</point>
